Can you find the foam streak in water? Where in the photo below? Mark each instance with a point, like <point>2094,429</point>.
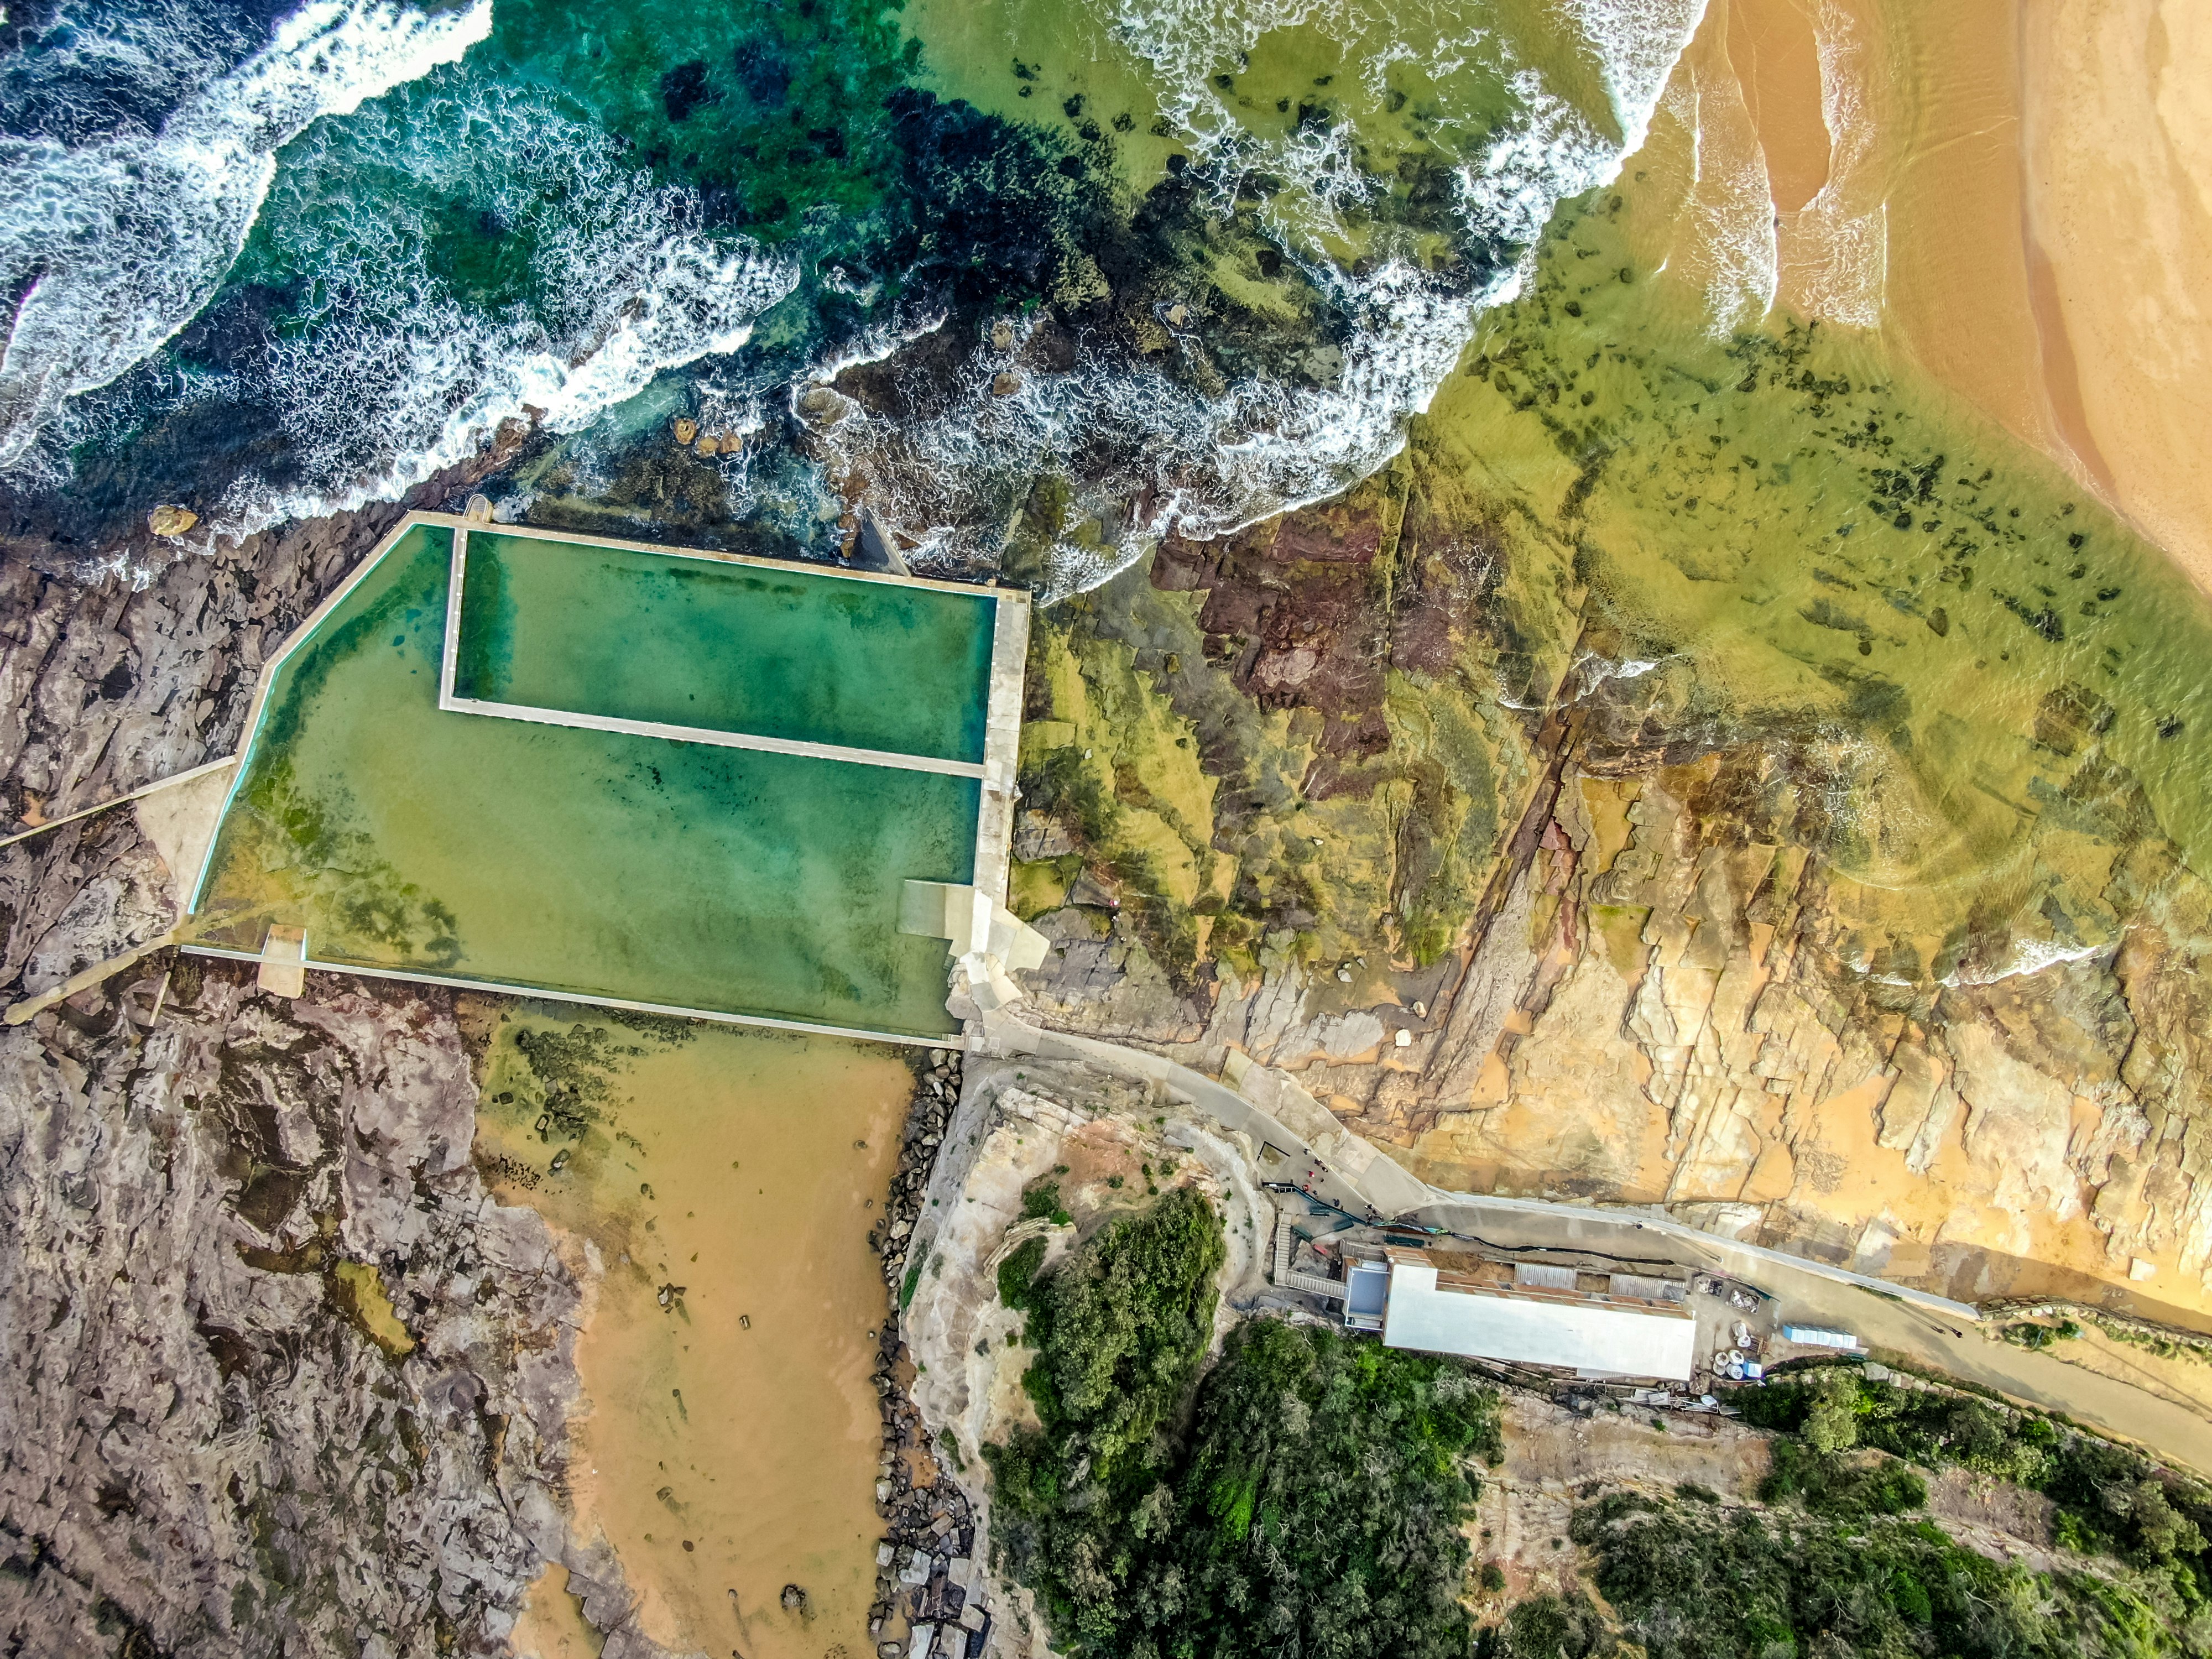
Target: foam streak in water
<point>1205,465</point>
<point>116,245</point>
<point>1638,43</point>
<point>401,376</point>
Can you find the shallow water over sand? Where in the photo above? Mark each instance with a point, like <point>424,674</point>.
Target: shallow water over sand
<point>731,1441</point>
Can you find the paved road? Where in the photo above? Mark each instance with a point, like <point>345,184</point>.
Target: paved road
<point>1924,1332</point>
<point>1930,1331</point>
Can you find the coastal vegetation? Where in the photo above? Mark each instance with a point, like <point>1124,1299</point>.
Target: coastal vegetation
<point>1309,1487</point>
<point>2110,1501</point>
<point>1835,1558</point>
<point>1308,1482</point>
<point>1691,1580</point>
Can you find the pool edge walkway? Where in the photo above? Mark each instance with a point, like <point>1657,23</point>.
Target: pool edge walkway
<point>1002,742</point>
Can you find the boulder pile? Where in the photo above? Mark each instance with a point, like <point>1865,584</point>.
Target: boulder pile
<point>925,1565</point>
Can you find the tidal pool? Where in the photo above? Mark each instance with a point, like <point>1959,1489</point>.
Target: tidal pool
<point>406,838</point>
<point>724,1181</point>
<point>780,651</point>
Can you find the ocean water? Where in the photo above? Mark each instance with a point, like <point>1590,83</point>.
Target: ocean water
<point>265,260</point>
<point>1092,271</point>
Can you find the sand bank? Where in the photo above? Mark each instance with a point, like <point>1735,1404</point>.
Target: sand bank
<point>2009,192</point>
<point>2117,97</point>
<point>725,1183</point>
<point>2048,246</point>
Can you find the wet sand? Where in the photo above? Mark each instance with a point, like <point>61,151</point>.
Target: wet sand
<point>1775,55</point>
<point>1957,298</point>
<point>731,1439</point>
<point>2052,247</point>
<point>2119,150</point>
<point>553,1625</point>
<point>2009,192</point>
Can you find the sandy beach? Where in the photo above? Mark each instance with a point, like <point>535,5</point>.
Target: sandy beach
<point>2007,189</point>
<point>2117,142</point>
<point>2051,247</point>
<point>728,1441</point>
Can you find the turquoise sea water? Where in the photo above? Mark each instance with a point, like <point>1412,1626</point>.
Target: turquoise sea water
<point>1084,272</point>
<point>789,652</point>
<point>406,838</point>
<point>272,261</point>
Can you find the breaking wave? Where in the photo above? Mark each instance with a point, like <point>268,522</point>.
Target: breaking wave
<point>114,243</point>
<point>613,282</point>
<point>1202,465</point>
<point>1205,465</point>
<point>460,250</point>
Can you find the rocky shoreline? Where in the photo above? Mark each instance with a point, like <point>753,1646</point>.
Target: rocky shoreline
<point>927,1569</point>
<point>285,1378</point>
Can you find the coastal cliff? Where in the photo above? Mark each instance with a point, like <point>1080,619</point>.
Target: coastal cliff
<point>1654,787</point>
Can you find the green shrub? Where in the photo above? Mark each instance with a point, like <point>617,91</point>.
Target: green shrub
<point>1548,1627</point>
<point>1847,1489</point>
<point>1690,1582</point>
<point>2111,1501</point>
<point>1041,1200</point>
<point>1312,1484</point>
<point>1018,1270</point>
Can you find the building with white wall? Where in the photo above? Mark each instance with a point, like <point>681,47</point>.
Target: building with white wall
<point>1532,1314</point>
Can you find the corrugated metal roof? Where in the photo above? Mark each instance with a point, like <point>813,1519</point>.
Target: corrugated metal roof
<point>1533,1330</point>
<point>1543,1276</point>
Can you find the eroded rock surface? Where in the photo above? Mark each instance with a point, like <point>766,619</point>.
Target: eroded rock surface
<point>282,1377</point>
<point>1540,926</point>
<point>125,664</point>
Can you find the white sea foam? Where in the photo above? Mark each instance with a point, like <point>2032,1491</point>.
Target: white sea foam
<point>1840,261</point>
<point>1728,218</point>
<point>1207,466</point>
<point>1203,465</point>
<point>404,378</point>
<point>1637,44</point>
<point>120,241</point>
<point>2024,957</point>
<point>100,68</point>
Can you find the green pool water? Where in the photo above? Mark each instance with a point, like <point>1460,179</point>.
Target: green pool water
<point>687,641</point>
<point>407,838</point>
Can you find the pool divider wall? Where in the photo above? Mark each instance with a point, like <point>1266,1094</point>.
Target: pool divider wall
<point>718,737</point>
<point>541,993</point>
<point>1002,742</point>
<point>996,809</point>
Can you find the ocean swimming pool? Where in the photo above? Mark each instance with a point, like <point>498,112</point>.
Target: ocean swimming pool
<point>772,650</point>
<point>705,876</point>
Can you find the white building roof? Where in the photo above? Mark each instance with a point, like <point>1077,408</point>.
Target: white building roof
<point>1582,1336</point>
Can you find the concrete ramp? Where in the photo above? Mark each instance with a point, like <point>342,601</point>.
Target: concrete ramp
<point>989,941</point>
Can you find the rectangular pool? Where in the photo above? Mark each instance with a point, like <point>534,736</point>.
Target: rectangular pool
<point>530,855</point>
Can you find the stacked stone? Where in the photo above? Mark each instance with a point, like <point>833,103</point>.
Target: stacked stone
<point>938,1092</point>
<point>925,1564</point>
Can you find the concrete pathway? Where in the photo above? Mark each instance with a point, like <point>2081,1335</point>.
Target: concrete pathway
<point>1945,1336</point>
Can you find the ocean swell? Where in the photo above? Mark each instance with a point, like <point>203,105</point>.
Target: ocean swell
<point>1144,452</point>
<point>114,245</point>
<point>399,374</point>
